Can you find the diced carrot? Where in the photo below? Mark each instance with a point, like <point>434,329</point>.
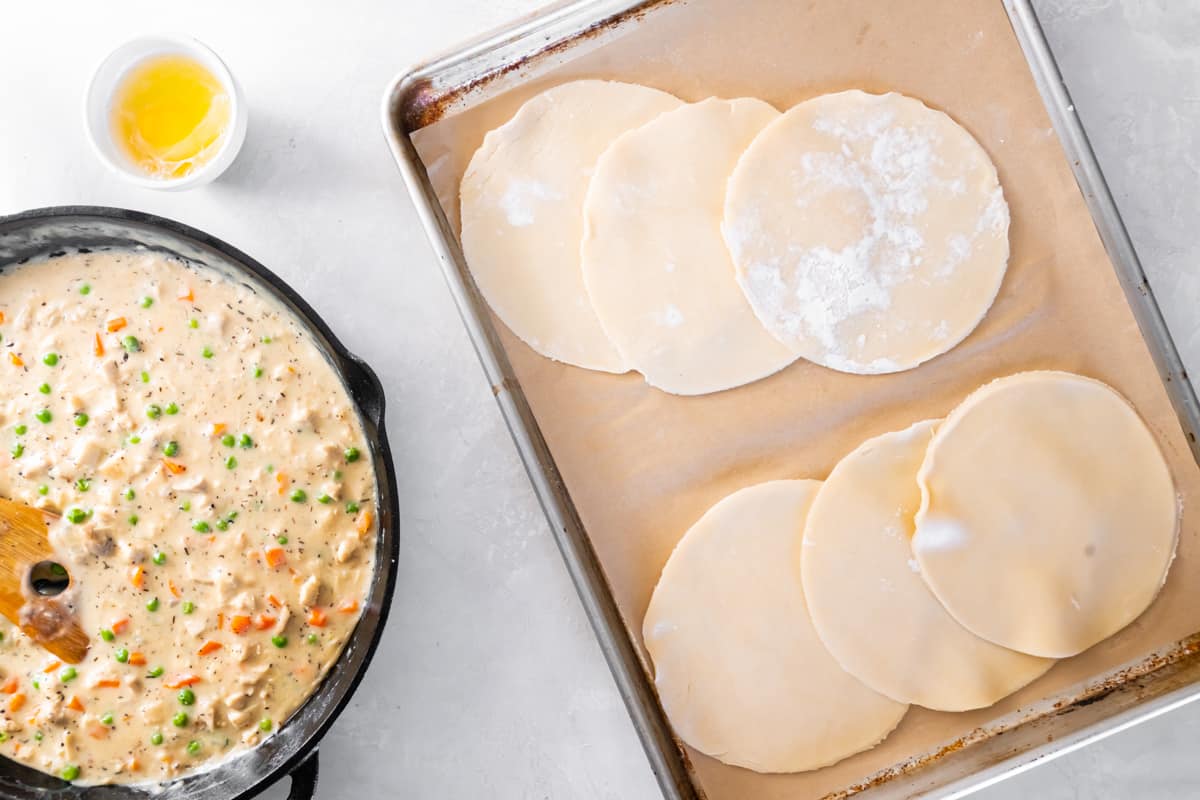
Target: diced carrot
<point>1,317</point>
<point>51,666</point>
<point>273,600</point>
<point>348,606</point>
<point>134,765</point>
<point>75,705</point>
<point>137,659</point>
<point>98,347</point>
<point>96,730</point>
<point>212,539</point>
<point>189,296</point>
<point>16,360</point>
<point>365,521</point>
<point>107,683</point>
<point>117,324</point>
<point>16,747</point>
<point>180,681</point>
<point>276,557</point>
<point>173,467</point>
<point>210,647</point>
<point>120,626</point>
<point>15,702</point>
<point>174,589</point>
<point>291,369</point>
<point>239,623</point>
<point>282,479</point>
<point>10,685</point>
<point>137,578</point>
<point>317,617</point>
<point>264,622</point>
<point>220,621</point>
<point>217,428</point>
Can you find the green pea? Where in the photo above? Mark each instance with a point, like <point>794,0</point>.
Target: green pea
<point>37,685</point>
<point>129,493</point>
<point>337,474</point>
<point>59,570</point>
<point>351,454</point>
<point>222,524</point>
<point>325,499</point>
<point>76,516</point>
<point>352,507</point>
<point>135,439</point>
<point>154,411</point>
<point>18,450</point>
<point>133,519</point>
<point>121,655</point>
<point>207,352</point>
<point>3,736</point>
<point>312,638</point>
<point>145,377</point>
<point>193,747</point>
<point>258,372</point>
<point>186,505</point>
<point>231,463</point>
<point>228,440</point>
<point>81,419</point>
<point>279,640</point>
<point>281,539</point>
<point>107,635</point>
<point>83,484</point>
<point>86,289</point>
<point>44,416</point>
<point>186,697</point>
<point>20,430</point>
<point>44,389</point>
<point>131,344</point>
<point>159,557</point>
<point>172,409</point>
<point>50,359</point>
<point>157,672</point>
<point>245,442</point>
<point>188,606</point>
<point>266,340</point>
<point>70,772</point>
<point>193,323</point>
<point>180,720</point>
<point>299,496</point>
<point>156,738</point>
<point>107,719</point>
<point>152,605</point>
<point>171,448</point>
<point>264,725</point>
<point>200,526</point>
<point>37,737</point>
<point>147,301</point>
<point>231,516</point>
<point>43,490</point>
<point>67,675</point>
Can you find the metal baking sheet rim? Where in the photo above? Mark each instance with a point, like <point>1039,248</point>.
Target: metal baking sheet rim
<point>1154,686</point>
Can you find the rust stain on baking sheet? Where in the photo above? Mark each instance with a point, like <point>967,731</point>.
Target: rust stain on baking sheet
<point>423,106</point>
<point>1128,680</point>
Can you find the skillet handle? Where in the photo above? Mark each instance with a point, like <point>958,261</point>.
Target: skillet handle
<point>365,387</point>
<point>304,778</point>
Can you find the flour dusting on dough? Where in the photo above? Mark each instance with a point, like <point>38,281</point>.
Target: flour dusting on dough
<point>939,533</point>
<point>520,201</point>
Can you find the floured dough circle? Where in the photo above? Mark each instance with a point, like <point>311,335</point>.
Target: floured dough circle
<point>870,232</point>
<point>869,604</point>
<point>738,666</point>
<point>657,271</point>
<point>1048,516</point>
<point>522,213</point>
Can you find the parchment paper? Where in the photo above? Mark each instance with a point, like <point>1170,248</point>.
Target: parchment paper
<point>642,466</point>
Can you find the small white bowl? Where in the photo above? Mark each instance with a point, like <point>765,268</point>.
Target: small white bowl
<point>97,111</point>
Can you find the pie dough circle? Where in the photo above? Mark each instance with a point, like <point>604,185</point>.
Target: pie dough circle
<point>522,213</point>
<point>739,668</point>
<point>1048,515</point>
<point>656,268</point>
<point>868,603</point>
<point>870,232</point>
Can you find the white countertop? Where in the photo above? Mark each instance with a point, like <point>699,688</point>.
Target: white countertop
<point>488,682</point>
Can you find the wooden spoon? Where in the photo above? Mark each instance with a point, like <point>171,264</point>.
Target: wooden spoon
<point>48,620</point>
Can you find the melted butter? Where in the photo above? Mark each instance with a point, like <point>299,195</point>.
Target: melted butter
<point>169,115</point>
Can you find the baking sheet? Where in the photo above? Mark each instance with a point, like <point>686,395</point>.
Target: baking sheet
<point>641,465</point>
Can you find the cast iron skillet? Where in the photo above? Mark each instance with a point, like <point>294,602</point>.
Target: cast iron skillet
<point>293,749</point>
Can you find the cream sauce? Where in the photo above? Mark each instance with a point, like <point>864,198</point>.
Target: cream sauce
<point>218,512</point>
